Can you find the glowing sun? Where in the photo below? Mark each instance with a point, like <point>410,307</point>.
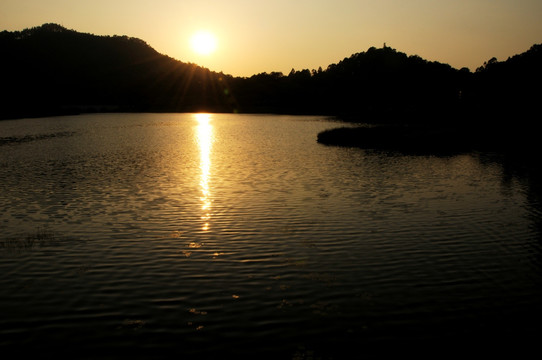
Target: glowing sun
<point>203,43</point>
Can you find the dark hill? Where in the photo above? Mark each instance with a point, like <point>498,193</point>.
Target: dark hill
<point>385,84</point>
<point>49,69</point>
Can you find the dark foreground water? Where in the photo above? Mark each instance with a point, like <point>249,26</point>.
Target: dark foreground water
<point>215,236</point>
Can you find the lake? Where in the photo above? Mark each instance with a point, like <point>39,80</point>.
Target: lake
<point>218,235</point>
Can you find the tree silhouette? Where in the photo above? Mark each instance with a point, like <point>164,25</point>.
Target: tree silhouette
<point>52,70</point>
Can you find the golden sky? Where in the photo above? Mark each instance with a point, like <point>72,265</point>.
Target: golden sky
<point>255,36</point>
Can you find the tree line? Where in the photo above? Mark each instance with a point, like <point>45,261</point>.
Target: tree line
<point>50,70</point>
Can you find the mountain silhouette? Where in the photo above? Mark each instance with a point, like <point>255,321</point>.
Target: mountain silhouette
<point>49,70</point>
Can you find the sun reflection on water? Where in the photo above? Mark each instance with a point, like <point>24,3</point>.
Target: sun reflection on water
<point>205,138</point>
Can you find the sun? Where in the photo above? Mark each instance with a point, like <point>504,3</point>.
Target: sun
<point>203,43</point>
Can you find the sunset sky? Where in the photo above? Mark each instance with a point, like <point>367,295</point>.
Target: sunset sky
<point>254,36</point>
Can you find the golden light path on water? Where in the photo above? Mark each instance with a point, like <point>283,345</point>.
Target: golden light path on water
<point>204,136</point>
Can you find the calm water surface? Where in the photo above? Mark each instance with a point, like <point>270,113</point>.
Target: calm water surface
<point>196,236</point>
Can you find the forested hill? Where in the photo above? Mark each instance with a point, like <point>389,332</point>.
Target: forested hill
<point>53,70</point>
<point>50,69</point>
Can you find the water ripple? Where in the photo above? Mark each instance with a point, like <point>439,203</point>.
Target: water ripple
<point>229,234</point>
